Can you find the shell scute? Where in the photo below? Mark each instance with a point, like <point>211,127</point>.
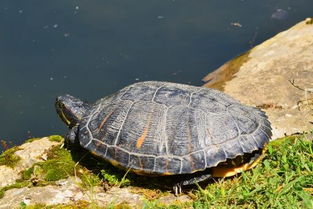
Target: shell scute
<point>172,95</point>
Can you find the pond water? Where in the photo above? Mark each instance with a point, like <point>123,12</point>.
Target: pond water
<point>91,48</point>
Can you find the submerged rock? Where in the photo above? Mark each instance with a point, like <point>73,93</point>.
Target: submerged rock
<point>277,76</point>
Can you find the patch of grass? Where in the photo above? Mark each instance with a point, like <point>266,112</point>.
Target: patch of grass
<point>56,138</point>
<point>281,181</point>
<point>156,205</point>
<point>114,177</point>
<point>9,158</point>
<point>89,179</point>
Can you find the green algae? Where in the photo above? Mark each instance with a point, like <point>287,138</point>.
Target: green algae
<point>226,72</point>
<point>9,158</point>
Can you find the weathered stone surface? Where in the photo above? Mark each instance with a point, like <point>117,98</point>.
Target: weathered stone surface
<point>263,77</point>
<point>68,191</point>
<point>65,191</point>
<point>29,153</point>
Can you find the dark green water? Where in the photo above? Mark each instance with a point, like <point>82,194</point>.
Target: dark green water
<point>91,48</point>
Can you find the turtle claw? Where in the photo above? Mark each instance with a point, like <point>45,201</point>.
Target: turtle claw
<point>177,189</point>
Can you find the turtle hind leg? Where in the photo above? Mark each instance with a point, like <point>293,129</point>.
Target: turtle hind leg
<point>190,180</point>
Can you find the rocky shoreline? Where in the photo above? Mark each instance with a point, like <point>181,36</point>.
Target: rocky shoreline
<point>277,76</point>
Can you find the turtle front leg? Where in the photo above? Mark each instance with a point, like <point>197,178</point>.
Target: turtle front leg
<point>177,188</point>
<point>72,135</point>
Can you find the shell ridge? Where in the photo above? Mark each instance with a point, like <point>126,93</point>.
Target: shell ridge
<point>120,129</point>
<point>87,125</point>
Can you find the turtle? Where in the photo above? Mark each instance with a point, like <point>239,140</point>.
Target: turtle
<point>156,128</point>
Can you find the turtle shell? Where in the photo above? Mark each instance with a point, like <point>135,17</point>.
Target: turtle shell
<point>164,128</point>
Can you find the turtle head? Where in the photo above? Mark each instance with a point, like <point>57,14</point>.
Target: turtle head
<point>70,109</point>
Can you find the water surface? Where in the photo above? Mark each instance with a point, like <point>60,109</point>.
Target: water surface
<point>91,48</point>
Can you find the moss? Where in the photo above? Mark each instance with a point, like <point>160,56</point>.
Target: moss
<point>31,140</point>
<point>19,184</point>
<point>122,206</point>
<point>149,194</point>
<point>26,174</point>
<point>8,157</point>
<point>59,165</point>
<point>78,205</point>
<point>226,72</point>
<point>2,193</point>
<point>56,138</point>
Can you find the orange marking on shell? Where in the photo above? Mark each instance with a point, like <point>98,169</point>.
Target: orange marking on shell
<point>104,120</point>
<point>143,136</point>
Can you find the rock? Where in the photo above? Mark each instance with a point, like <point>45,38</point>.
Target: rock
<point>69,190</point>
<point>29,154</point>
<point>277,76</point>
